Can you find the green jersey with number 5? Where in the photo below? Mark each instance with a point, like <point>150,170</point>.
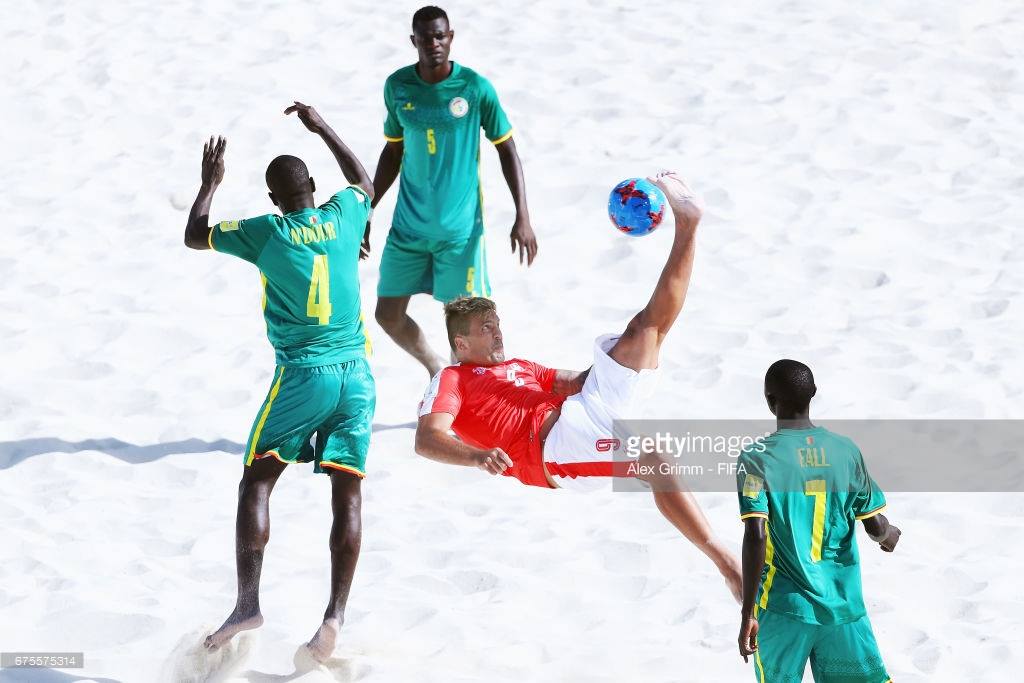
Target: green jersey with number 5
<point>308,263</point>
<point>811,486</point>
<point>439,125</point>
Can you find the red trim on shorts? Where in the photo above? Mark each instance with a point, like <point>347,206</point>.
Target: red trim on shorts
<point>597,468</point>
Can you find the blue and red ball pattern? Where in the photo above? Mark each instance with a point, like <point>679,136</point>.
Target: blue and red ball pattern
<point>636,206</point>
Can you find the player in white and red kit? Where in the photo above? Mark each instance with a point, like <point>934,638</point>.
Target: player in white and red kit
<point>549,427</point>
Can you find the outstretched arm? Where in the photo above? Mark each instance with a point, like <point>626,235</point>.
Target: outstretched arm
<point>388,165</point>
<point>754,543</point>
<point>197,229</point>
<point>883,533</point>
<point>433,441</point>
<point>350,166</point>
<point>522,231</point>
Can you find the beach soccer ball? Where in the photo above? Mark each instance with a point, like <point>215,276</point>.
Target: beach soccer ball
<point>636,206</point>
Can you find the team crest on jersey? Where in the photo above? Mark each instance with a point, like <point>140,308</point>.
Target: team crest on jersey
<point>479,371</point>
<point>459,107</point>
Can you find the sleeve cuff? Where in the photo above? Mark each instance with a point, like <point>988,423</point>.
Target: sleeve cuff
<point>391,139</point>
<point>503,138</point>
<point>209,238</point>
<point>763,515</point>
<point>868,515</point>
<point>360,191</point>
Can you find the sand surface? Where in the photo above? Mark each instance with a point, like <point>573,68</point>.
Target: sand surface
<point>862,171</point>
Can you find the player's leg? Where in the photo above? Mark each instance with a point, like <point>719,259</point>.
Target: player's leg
<point>252,533</point>
<point>460,269</point>
<point>405,270</point>
<point>346,538</point>
<point>848,653</point>
<point>683,511</point>
<point>343,442</point>
<point>640,343</point>
<point>392,315</point>
<point>295,405</point>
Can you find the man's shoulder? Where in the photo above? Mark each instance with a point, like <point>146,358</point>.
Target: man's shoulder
<point>403,75</point>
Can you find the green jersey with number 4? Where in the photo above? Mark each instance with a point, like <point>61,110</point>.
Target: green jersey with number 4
<point>308,261</point>
<point>439,124</point>
<point>811,486</point>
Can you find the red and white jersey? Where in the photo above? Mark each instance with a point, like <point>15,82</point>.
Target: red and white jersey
<point>498,406</point>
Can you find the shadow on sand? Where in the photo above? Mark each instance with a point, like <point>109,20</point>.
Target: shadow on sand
<point>14,452</point>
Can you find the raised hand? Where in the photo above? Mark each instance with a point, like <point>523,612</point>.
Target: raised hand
<point>213,161</point>
<point>522,236</point>
<point>309,116</point>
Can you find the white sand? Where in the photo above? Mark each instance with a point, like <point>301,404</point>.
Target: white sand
<point>862,169</point>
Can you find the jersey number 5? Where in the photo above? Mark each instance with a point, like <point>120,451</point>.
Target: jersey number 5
<point>431,141</point>
<point>816,488</point>
<point>318,304</point>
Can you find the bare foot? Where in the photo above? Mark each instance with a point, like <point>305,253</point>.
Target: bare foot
<point>322,644</point>
<point>236,623</point>
<point>685,203</point>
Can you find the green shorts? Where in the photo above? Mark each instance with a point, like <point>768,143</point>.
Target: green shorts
<point>333,402</point>
<point>843,653</point>
<point>447,269</point>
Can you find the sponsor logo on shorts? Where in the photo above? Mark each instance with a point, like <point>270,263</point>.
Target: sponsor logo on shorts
<point>605,445</point>
<point>459,107</point>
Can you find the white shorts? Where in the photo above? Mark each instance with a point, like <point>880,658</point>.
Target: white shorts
<point>579,448</point>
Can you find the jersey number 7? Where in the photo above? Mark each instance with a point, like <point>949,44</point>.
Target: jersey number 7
<point>816,488</point>
<point>318,304</point>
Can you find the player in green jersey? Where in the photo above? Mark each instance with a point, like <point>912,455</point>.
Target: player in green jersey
<point>308,260</point>
<point>435,110</point>
<point>801,492</point>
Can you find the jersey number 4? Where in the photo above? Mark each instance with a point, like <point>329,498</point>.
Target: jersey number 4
<point>318,304</point>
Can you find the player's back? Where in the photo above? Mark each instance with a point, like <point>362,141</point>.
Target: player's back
<point>308,261</point>
<point>812,486</point>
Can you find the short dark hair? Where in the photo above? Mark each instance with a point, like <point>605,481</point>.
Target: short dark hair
<point>790,382</point>
<point>425,15</point>
<point>287,176</point>
<point>458,314</point>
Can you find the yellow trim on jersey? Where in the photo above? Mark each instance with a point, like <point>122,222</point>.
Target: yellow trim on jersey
<point>367,344</point>
<point>344,468</point>
<point>504,137</point>
<point>209,238</point>
<point>389,139</point>
<point>754,514</point>
<point>263,417</point>
<point>867,515</point>
<point>769,555</point>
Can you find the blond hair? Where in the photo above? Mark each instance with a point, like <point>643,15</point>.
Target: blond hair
<point>458,314</point>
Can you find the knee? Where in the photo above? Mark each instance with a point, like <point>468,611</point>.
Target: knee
<point>388,317</point>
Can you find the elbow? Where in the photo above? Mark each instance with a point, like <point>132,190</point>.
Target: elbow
<point>367,187</point>
<point>420,446</point>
